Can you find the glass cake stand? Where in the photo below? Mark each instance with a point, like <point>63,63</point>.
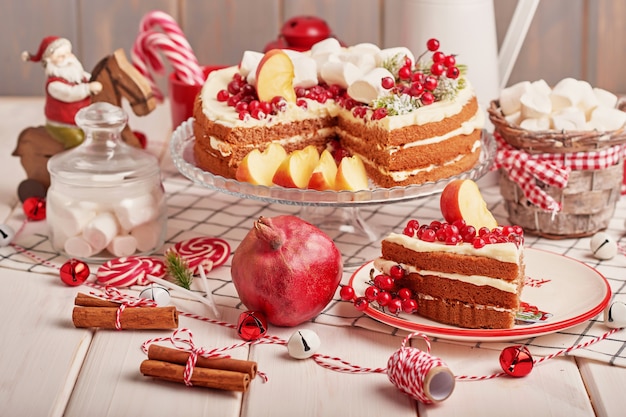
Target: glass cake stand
<point>338,210</point>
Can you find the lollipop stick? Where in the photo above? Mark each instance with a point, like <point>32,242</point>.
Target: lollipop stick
<point>207,301</point>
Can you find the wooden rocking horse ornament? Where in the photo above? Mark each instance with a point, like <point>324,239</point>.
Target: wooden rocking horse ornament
<point>119,80</point>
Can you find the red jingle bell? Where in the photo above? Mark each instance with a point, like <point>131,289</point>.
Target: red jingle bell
<point>251,325</point>
<point>74,272</point>
<point>35,208</point>
<point>516,361</point>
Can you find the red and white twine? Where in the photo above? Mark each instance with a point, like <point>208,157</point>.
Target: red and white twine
<point>125,300</point>
<point>552,169</point>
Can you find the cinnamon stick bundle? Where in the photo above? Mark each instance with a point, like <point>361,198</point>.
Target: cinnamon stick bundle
<point>202,377</point>
<point>180,357</point>
<point>93,312</point>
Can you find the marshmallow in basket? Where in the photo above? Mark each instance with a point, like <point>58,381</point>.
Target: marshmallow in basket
<point>570,105</point>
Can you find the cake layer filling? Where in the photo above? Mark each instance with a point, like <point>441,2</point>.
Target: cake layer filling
<point>466,315</point>
<point>385,265</point>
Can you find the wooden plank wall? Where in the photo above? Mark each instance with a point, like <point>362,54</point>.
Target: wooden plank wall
<point>584,39</point>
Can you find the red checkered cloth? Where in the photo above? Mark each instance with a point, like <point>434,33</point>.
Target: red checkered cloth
<point>550,168</point>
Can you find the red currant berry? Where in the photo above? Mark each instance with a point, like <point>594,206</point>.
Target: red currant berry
<point>453,73</point>
<point>416,89</point>
<point>384,282</point>
<point>387,83</point>
<point>409,306</point>
<point>483,231</point>
<point>258,114</point>
<point>407,62</point>
<point>379,113</point>
<point>408,231</point>
<point>396,272</point>
<point>361,303</point>
<point>451,240</point>
<point>427,98</point>
<point>404,73</point>
<point>435,224</point>
<point>429,235</point>
<point>478,243</point>
<point>438,57</point>
<point>405,293</point>
<point>244,115</point>
<point>449,61</point>
<point>346,293</point>
<point>395,306</point>
<point>371,293</point>
<point>418,77</point>
<point>430,83</point>
<point>235,86</point>
<point>248,90</point>
<point>415,224</point>
<point>432,44</point>
<point>241,106</point>
<point>383,298</point>
<point>222,96</point>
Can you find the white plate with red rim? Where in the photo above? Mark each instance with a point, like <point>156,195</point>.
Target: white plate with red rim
<point>569,291</point>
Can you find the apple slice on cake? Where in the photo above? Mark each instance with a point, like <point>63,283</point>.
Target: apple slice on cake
<point>324,174</point>
<point>259,167</point>
<point>462,200</point>
<point>274,77</point>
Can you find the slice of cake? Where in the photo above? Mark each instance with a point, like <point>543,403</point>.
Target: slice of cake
<point>458,276</point>
<point>410,121</point>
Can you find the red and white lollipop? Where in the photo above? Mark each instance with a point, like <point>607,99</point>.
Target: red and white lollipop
<point>129,270</point>
<point>208,252</point>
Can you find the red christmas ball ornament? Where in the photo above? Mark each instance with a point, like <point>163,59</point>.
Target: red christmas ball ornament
<point>251,325</point>
<point>516,361</point>
<point>35,208</point>
<point>74,272</point>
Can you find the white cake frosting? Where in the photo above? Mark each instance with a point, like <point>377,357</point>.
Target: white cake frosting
<point>504,252</point>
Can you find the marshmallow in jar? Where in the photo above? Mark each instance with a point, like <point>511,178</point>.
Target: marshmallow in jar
<point>106,198</point>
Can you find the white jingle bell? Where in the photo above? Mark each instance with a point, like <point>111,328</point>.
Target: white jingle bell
<point>615,315</point>
<point>603,246</point>
<point>303,344</point>
<point>6,235</point>
<point>160,295</point>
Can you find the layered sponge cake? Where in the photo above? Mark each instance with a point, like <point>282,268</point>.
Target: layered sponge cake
<point>409,120</point>
<point>468,281</point>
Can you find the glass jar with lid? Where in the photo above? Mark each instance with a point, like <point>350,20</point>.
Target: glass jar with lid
<point>106,198</point>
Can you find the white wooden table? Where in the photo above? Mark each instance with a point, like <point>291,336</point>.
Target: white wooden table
<point>50,368</point>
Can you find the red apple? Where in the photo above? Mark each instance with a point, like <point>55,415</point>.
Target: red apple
<point>287,269</point>
<point>462,200</point>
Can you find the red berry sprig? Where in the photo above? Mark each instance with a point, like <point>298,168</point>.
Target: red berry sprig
<point>460,232</point>
<point>383,291</point>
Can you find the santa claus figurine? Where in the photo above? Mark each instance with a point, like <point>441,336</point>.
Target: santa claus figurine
<point>68,88</point>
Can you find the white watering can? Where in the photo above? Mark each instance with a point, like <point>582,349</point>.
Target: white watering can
<point>466,28</point>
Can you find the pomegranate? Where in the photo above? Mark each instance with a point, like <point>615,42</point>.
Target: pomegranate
<point>287,269</point>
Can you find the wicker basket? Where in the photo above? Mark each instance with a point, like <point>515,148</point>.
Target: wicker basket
<point>552,141</point>
<point>587,202</point>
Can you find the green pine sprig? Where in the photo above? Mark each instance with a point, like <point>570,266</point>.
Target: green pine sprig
<point>178,268</point>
